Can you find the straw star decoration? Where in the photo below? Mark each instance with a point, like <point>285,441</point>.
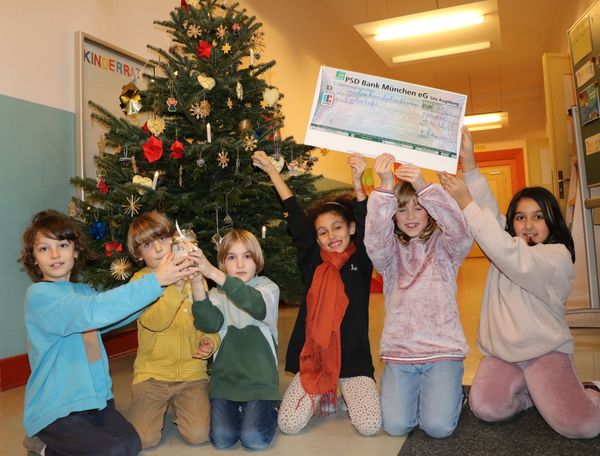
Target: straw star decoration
<point>133,205</point>
<point>120,269</point>
<point>226,48</point>
<point>250,143</point>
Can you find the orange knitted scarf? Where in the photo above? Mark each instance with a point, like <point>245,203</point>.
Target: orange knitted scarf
<point>326,303</point>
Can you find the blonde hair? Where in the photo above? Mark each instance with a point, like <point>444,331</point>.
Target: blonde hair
<point>248,240</point>
<point>405,193</point>
<point>146,228</point>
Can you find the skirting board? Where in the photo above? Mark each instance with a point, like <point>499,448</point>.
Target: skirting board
<point>14,371</point>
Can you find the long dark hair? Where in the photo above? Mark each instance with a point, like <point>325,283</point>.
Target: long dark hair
<point>558,230</point>
<point>341,206</point>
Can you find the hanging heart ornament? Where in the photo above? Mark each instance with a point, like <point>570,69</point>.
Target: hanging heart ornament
<point>206,82</point>
<point>271,96</point>
<point>277,162</point>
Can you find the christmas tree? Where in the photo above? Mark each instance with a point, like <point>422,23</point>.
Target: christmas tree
<point>208,110</point>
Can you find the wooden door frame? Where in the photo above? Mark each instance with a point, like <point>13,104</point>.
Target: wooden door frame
<point>512,157</point>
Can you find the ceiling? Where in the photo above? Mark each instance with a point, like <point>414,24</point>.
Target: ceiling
<point>508,77</point>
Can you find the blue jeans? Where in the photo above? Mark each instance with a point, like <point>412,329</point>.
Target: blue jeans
<point>252,422</point>
<point>428,395</point>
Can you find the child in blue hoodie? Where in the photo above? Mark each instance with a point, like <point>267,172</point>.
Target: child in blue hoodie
<point>68,401</point>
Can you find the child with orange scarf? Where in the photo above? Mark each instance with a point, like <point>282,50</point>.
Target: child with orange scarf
<point>330,341</point>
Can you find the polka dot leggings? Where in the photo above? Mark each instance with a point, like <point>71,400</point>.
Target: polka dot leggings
<point>360,395</point>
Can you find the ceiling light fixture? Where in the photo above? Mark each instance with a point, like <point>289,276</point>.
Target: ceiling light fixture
<point>441,52</point>
<point>428,25</point>
<point>488,121</point>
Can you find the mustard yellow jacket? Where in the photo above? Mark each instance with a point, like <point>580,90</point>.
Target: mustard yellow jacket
<point>167,339</point>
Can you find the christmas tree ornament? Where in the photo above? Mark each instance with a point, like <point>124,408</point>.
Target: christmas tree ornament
<point>131,99</point>
<point>235,28</point>
<point>190,141</point>
<point>277,162</point>
<point>97,230</point>
<point>223,159</point>
<point>143,182</point>
<point>250,143</point>
<point>277,143</point>
<point>171,104</point>
<point>102,186</point>
<point>226,48</point>
<point>156,126</point>
<point>74,211</point>
<point>200,110</point>
<point>204,49</point>
<point>206,82</point>
<point>257,41</point>
<point>221,31</point>
<point>324,152</point>
<point>155,180</point>
<point>120,269</point>
<point>227,220</point>
<point>125,156</point>
<point>293,168</point>
<point>237,161</point>
<point>134,167</point>
<point>216,238</point>
<point>208,133</point>
<point>153,149</point>
<point>264,104</point>
<point>201,162</point>
<point>194,31</point>
<point>110,248</point>
<point>180,176</point>
<point>133,205</point>
<point>251,58</point>
<point>184,242</point>
<point>271,96</point>
<point>239,90</point>
<point>176,150</point>
<point>229,103</point>
<point>185,6</point>
<point>245,125</point>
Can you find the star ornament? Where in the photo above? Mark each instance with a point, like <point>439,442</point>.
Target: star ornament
<point>221,31</point>
<point>226,48</point>
<point>229,103</point>
<point>250,143</point>
<point>204,49</point>
<point>120,269</point>
<point>133,205</point>
<point>223,159</point>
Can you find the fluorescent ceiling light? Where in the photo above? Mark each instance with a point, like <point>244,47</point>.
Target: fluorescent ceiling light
<point>425,26</point>
<point>487,121</point>
<point>441,52</point>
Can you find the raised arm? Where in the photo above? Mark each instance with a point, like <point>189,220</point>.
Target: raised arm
<point>358,164</point>
<point>379,228</point>
<point>260,160</point>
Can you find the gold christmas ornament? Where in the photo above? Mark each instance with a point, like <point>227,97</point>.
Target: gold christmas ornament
<point>156,126</point>
<point>131,99</point>
<point>250,143</point>
<point>200,110</point>
<point>221,31</point>
<point>120,269</point>
<point>226,48</point>
<point>142,181</point>
<point>239,90</point>
<point>133,205</point>
<point>194,31</point>
<point>206,82</point>
<point>245,125</point>
<point>229,103</point>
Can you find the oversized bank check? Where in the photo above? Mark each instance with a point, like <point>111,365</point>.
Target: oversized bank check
<point>355,112</point>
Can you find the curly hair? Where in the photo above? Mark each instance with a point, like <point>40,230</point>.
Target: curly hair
<point>55,225</point>
<point>342,206</point>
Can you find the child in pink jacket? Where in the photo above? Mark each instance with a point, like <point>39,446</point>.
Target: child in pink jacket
<point>417,238</point>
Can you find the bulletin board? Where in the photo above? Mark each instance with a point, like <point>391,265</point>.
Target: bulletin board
<point>102,70</point>
<point>584,42</point>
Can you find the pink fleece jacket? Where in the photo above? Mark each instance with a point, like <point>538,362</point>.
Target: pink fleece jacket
<point>421,316</point>
<point>523,307</point>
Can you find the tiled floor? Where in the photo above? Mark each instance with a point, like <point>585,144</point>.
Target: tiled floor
<point>333,435</point>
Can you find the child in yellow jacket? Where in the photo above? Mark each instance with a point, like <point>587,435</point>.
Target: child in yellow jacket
<point>170,367</point>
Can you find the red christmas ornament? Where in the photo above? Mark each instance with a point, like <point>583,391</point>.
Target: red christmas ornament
<point>153,149</point>
<point>112,247</point>
<point>146,129</point>
<point>103,186</point>
<point>177,150</point>
<point>204,49</point>
<point>185,6</point>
